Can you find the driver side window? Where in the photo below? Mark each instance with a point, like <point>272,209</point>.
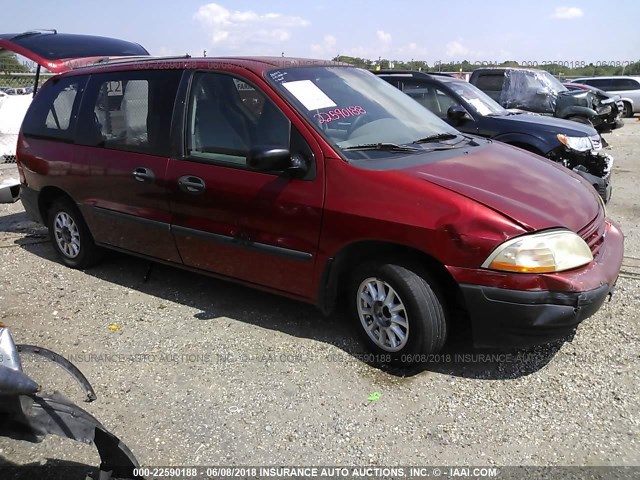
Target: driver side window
<point>228,117</point>
<point>430,97</point>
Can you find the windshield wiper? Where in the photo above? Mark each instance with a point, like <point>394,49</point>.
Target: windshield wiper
<point>388,147</point>
<point>437,137</point>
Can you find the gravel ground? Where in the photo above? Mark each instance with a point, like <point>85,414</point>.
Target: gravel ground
<point>209,373</point>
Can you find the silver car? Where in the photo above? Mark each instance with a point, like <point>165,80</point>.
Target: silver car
<point>627,87</point>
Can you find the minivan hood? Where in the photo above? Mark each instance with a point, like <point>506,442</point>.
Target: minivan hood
<point>59,52</point>
<point>532,191</point>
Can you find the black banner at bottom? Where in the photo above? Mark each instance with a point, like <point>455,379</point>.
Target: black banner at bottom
<point>70,471</point>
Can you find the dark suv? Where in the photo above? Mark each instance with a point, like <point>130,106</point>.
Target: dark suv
<point>317,181</point>
<point>540,92</point>
<point>463,106</point>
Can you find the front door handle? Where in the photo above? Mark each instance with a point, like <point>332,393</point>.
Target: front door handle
<point>191,184</point>
<point>142,174</point>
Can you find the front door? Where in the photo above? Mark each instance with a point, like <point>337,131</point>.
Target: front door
<point>124,144</point>
<point>261,228</point>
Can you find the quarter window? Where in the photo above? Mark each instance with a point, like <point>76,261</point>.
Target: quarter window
<point>53,113</point>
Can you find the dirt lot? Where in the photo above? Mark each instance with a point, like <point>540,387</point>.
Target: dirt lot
<point>229,376</point>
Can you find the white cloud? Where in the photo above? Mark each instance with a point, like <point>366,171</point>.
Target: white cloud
<point>567,13</point>
<point>412,50</point>
<point>384,37</point>
<point>248,31</point>
<point>456,49</point>
<point>326,48</point>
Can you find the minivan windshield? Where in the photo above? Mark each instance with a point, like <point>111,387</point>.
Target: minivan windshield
<point>358,112</point>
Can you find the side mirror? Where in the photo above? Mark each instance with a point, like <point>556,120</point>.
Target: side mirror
<point>543,91</point>
<point>269,158</point>
<point>457,113</point>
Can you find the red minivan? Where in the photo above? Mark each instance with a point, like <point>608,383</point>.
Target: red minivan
<point>317,181</point>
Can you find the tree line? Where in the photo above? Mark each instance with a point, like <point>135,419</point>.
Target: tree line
<point>567,69</point>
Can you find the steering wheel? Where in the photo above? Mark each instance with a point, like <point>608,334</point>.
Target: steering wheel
<point>357,123</point>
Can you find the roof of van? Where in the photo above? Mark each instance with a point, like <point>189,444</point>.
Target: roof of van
<point>254,63</point>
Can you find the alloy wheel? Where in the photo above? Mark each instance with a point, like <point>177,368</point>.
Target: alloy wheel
<point>66,234</point>
<point>382,314</point>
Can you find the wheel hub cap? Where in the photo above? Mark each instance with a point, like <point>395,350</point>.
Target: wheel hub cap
<point>66,234</point>
<point>383,315</point>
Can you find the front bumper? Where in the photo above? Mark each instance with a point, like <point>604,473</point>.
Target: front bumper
<point>513,318</point>
<point>515,310</point>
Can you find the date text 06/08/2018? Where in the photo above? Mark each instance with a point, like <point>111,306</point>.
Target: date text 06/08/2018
<point>544,63</point>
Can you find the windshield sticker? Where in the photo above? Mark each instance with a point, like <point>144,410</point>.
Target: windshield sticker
<point>480,106</point>
<point>277,76</point>
<point>340,113</point>
<point>309,94</point>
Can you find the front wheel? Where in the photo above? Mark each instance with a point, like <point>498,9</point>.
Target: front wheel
<point>398,311</point>
<point>627,112</point>
<point>70,235</point>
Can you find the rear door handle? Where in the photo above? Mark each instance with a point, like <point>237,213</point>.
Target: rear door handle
<point>142,174</point>
<point>191,184</point>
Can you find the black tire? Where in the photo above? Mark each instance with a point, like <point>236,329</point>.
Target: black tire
<point>70,235</point>
<point>627,112</point>
<point>423,309</point>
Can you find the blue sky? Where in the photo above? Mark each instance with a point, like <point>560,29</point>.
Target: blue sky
<point>491,30</point>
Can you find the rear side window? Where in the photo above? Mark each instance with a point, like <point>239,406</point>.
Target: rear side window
<point>53,113</point>
<point>620,84</point>
<point>129,111</point>
<point>601,83</point>
<point>490,83</point>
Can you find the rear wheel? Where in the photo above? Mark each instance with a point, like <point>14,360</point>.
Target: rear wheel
<point>627,111</point>
<point>70,236</point>
<point>398,312</point>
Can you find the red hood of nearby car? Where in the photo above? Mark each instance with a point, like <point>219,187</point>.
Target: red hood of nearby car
<point>532,191</point>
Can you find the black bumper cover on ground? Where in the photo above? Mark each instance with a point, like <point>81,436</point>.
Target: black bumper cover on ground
<point>512,318</point>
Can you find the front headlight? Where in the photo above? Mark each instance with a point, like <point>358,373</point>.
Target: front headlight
<point>579,144</point>
<point>546,252</point>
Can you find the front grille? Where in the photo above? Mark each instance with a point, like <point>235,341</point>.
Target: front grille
<point>8,159</point>
<point>593,233</point>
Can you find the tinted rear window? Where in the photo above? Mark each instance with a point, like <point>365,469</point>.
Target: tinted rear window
<point>619,84</point>
<point>53,112</point>
<point>601,83</point>
<point>491,82</point>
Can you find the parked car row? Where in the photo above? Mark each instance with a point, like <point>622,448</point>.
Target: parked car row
<point>321,182</point>
<point>17,90</point>
<point>627,88</point>
<point>575,145</point>
<point>540,92</point>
